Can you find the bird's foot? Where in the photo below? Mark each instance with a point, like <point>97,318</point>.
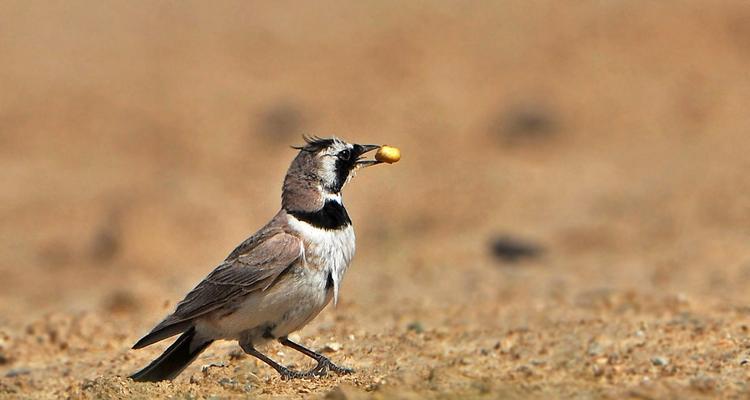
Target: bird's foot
<point>325,365</point>
<point>288,374</point>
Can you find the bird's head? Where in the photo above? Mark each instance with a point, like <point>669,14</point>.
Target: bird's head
<point>321,170</point>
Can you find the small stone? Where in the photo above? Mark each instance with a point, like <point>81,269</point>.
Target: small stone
<point>525,370</point>
<point>207,367</point>
<point>511,249</point>
<point>17,372</point>
<point>87,384</point>
<point>595,349</point>
<point>660,361</point>
<point>415,326</point>
<point>331,347</point>
<point>228,383</point>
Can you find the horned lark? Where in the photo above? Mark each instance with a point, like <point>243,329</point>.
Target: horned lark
<point>280,278</point>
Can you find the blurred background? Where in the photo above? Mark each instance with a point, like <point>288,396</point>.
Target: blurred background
<point>562,162</point>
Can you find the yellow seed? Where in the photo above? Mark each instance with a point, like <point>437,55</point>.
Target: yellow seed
<point>388,154</point>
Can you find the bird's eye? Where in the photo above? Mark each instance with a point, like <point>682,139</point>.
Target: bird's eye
<point>345,154</point>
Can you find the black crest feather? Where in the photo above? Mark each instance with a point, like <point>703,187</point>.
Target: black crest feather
<point>314,143</point>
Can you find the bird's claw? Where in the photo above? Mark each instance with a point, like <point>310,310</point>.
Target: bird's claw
<point>324,366</point>
<point>287,374</point>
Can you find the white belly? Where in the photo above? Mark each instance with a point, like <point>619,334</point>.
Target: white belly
<point>281,309</point>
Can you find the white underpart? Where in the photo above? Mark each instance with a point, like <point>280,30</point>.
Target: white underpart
<point>329,250</point>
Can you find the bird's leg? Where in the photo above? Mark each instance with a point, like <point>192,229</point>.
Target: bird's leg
<point>324,364</point>
<point>285,372</point>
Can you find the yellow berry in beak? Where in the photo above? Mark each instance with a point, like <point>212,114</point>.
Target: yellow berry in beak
<point>388,154</point>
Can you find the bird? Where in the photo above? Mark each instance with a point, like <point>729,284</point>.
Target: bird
<point>280,278</point>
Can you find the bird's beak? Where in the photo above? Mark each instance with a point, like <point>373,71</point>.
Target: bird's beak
<point>361,149</point>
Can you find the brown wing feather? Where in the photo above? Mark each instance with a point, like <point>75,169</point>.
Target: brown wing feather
<point>265,256</point>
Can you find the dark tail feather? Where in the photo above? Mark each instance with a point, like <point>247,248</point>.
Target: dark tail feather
<point>178,356</point>
<point>161,332</point>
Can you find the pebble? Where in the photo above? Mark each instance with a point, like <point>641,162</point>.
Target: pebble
<point>595,349</point>
<point>525,370</point>
<point>660,361</point>
<point>331,347</point>
<point>17,372</point>
<point>228,383</point>
<point>415,326</point>
<point>512,249</point>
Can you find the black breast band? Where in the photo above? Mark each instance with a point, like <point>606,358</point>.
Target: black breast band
<point>332,216</point>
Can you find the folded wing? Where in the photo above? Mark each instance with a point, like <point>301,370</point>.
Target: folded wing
<point>262,260</point>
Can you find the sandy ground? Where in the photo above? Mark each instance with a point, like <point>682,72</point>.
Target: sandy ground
<point>140,142</point>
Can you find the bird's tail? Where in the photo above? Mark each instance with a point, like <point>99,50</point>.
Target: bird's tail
<point>178,356</point>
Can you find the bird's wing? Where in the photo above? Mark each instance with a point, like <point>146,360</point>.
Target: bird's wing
<point>256,268</point>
